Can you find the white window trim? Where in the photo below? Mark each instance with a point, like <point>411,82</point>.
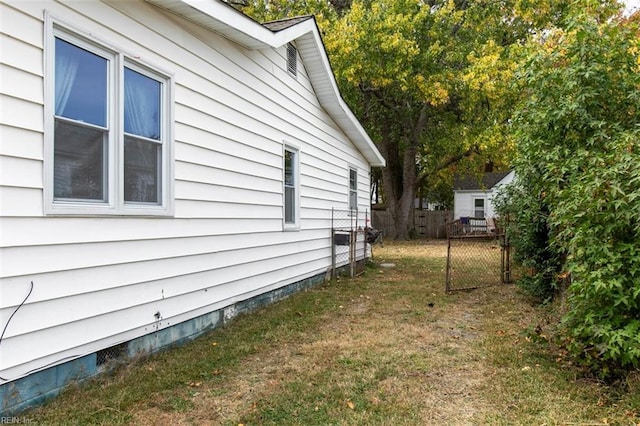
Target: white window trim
<point>352,168</point>
<point>291,226</point>
<point>484,206</point>
<point>119,59</point>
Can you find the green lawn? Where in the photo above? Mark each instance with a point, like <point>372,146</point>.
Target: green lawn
<point>387,348</point>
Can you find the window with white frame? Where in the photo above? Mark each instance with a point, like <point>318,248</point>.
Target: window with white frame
<point>478,208</point>
<point>110,143</point>
<point>291,187</point>
<point>353,189</point>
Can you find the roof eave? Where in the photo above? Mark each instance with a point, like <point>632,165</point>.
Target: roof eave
<point>233,25</point>
<point>220,18</point>
<point>505,177</point>
<point>311,49</point>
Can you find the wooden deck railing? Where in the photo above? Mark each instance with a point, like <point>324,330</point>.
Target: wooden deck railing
<point>473,227</point>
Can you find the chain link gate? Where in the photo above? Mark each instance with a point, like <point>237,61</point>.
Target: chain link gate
<point>478,254</point>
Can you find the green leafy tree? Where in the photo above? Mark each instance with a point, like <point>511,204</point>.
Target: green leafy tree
<point>578,130</point>
<point>429,79</point>
<point>424,77</point>
<point>325,11</point>
<point>430,82</point>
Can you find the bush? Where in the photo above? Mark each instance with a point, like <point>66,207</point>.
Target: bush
<point>526,218</point>
<point>579,174</point>
<point>604,243</point>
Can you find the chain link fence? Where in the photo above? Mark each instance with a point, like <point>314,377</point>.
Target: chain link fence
<point>478,255</point>
<point>350,232</point>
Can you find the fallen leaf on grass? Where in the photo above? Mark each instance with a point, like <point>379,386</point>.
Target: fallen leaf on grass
<point>351,405</point>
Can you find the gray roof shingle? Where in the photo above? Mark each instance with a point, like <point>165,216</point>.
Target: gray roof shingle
<point>283,24</point>
<point>472,182</point>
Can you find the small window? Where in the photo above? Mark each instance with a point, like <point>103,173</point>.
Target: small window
<point>109,148</point>
<point>478,208</point>
<point>291,187</point>
<point>292,59</point>
<point>353,189</point>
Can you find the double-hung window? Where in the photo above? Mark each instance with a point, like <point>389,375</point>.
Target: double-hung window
<point>291,188</point>
<point>478,208</point>
<point>353,189</point>
<point>109,149</point>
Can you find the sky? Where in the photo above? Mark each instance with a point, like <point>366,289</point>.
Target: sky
<point>632,5</point>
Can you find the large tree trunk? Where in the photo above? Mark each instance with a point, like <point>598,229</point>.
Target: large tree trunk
<point>400,182</point>
<point>400,178</point>
<point>399,207</point>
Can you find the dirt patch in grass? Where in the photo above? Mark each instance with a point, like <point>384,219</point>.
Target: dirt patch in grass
<point>406,348</point>
<point>389,347</point>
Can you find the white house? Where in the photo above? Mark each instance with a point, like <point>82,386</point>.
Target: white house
<point>473,195</point>
<point>164,164</point>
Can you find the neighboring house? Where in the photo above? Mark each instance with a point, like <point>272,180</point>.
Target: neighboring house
<point>473,195</point>
<point>165,165</point>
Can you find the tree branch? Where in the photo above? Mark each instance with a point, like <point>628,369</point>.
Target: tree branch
<point>449,161</point>
<point>452,160</point>
<point>376,93</point>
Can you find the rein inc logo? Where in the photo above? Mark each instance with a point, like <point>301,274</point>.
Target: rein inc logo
<point>17,421</point>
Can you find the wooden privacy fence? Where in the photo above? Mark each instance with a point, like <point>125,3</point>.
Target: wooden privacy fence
<point>425,223</point>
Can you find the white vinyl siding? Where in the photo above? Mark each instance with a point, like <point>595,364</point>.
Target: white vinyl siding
<point>231,110</point>
<point>478,203</point>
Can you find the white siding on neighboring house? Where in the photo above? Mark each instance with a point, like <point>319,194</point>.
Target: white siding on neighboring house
<point>466,201</point>
<point>463,203</point>
<point>495,190</point>
<point>99,280</point>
